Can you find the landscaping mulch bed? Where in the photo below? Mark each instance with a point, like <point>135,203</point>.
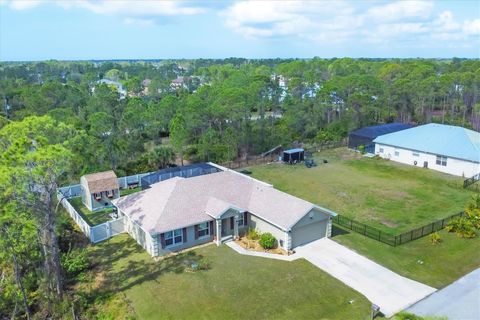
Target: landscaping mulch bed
<point>253,245</point>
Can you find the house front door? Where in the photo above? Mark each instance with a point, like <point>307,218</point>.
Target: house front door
<point>224,227</point>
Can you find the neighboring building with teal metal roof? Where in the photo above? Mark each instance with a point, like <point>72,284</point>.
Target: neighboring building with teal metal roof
<point>450,149</point>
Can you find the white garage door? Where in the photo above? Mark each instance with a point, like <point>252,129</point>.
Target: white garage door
<point>308,233</point>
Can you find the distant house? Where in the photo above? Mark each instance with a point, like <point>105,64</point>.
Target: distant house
<point>179,83</point>
<point>145,84</point>
<point>450,149</point>
<point>118,86</point>
<point>180,213</point>
<point>365,136</point>
<point>99,189</point>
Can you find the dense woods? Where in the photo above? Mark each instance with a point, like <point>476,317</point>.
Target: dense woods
<point>60,120</point>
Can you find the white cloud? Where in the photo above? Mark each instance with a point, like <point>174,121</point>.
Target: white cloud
<point>308,19</point>
<point>472,27</point>
<point>414,22</point>
<point>139,12</point>
<point>401,10</point>
<point>137,8</point>
<point>24,4</point>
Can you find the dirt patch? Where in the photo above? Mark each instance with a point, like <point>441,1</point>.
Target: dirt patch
<point>100,280</point>
<point>389,223</point>
<point>255,246</point>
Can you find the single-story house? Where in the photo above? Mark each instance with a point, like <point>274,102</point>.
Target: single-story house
<point>99,189</point>
<point>179,213</point>
<point>365,136</point>
<point>450,149</point>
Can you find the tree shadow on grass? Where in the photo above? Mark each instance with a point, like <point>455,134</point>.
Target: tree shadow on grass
<point>123,275</point>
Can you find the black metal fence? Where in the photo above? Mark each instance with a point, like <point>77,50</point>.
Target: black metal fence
<point>394,240</point>
<point>468,182</point>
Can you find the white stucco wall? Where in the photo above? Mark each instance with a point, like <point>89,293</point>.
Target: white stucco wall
<point>455,167</point>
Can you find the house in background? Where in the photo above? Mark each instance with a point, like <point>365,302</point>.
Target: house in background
<point>99,189</point>
<point>450,149</point>
<point>180,213</point>
<point>365,136</point>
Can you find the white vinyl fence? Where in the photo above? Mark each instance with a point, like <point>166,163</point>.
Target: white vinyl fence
<point>96,233</point>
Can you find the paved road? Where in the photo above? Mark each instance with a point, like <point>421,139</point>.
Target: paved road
<point>390,291</point>
<point>460,300</point>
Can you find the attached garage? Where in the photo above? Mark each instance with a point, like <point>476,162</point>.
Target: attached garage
<point>309,233</point>
<point>313,226</point>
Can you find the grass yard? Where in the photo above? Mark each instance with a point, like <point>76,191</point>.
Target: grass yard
<point>91,217</point>
<point>442,263</point>
<point>126,281</point>
<point>126,192</point>
<point>384,194</point>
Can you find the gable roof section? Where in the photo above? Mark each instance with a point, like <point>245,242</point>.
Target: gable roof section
<point>450,141</point>
<point>182,202</point>
<point>101,181</point>
<point>375,131</point>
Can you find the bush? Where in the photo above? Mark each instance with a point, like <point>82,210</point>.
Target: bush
<point>203,264</point>
<point>361,148</point>
<point>75,262</point>
<point>252,234</point>
<point>435,238</point>
<point>463,227</point>
<point>267,241</point>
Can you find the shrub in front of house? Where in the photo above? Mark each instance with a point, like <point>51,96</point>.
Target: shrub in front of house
<point>252,234</point>
<point>267,240</point>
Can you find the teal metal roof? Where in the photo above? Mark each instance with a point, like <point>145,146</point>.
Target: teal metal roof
<point>440,139</point>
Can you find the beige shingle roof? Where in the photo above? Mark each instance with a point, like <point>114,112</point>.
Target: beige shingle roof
<point>180,202</point>
<point>101,181</point>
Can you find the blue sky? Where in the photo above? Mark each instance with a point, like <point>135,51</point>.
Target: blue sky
<point>82,29</point>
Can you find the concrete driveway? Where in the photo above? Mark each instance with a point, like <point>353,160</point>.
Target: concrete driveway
<point>458,301</point>
<point>390,291</point>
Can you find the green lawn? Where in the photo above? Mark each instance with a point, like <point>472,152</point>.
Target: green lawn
<point>381,193</point>
<point>128,281</point>
<point>91,217</point>
<point>126,192</point>
<point>442,263</point>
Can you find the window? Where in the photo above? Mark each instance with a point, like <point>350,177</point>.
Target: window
<point>203,229</point>
<point>110,193</point>
<point>380,150</point>
<point>397,153</point>
<point>415,154</point>
<point>97,196</point>
<point>442,161</point>
<point>173,237</point>
<point>240,220</point>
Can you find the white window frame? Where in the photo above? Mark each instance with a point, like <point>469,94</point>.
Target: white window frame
<point>441,161</point>
<point>381,150</point>
<point>177,239</point>
<point>397,153</point>
<point>415,154</point>
<point>205,226</point>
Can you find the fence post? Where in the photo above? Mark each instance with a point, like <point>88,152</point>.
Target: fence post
<point>422,230</point>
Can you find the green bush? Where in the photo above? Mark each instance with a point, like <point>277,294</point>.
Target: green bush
<point>267,241</point>
<point>75,262</point>
<point>435,238</point>
<point>463,227</point>
<point>361,148</point>
<point>252,234</point>
<point>203,264</point>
